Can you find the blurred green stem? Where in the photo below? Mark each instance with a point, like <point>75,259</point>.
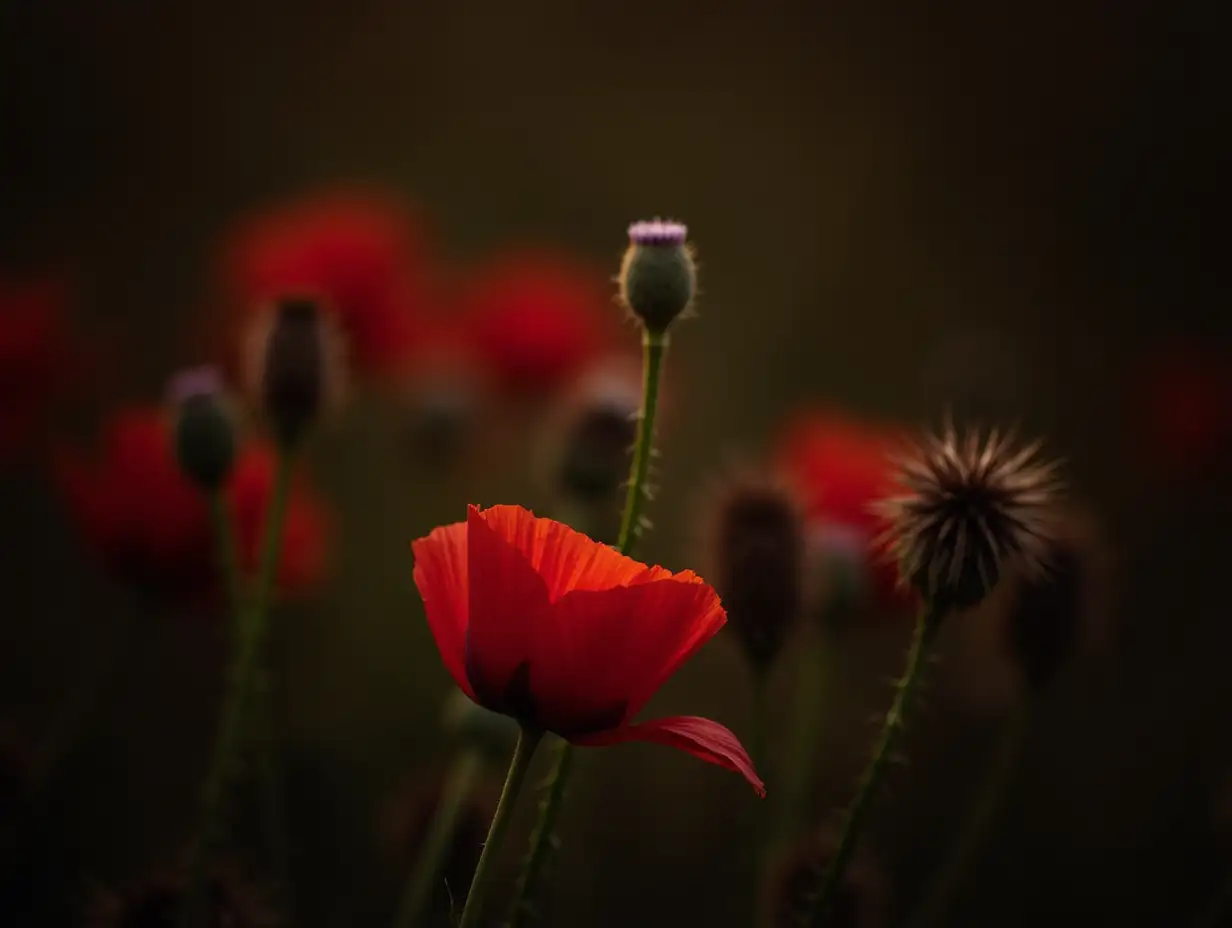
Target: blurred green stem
<point>925,632</point>
<point>759,741</point>
<point>654,351</point>
<point>460,784</point>
<point>242,675</point>
<point>809,693</point>
<point>998,774</point>
<point>528,740</point>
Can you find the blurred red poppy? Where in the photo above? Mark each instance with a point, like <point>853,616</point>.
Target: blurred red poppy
<point>361,250</point>
<point>539,622</point>
<point>36,360</point>
<point>538,318</point>
<point>151,527</point>
<point>841,466</point>
<point>1182,408</point>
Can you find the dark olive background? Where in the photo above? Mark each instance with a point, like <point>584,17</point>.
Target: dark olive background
<point>993,206</point>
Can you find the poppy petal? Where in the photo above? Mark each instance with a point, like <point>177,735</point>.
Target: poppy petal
<point>441,576</point>
<point>566,559</point>
<point>508,601</point>
<point>700,737</point>
<point>618,646</point>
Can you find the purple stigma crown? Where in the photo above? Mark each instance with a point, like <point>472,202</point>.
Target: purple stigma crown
<point>658,232</point>
<point>194,381</point>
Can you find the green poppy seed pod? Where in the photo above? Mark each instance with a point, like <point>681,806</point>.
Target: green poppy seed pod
<point>204,431</point>
<point>295,366</point>
<point>492,734</point>
<point>658,275</point>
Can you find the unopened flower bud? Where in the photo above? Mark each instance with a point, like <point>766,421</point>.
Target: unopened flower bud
<point>204,432</point>
<point>295,366</point>
<point>492,734</point>
<point>658,275</point>
<point>756,558</point>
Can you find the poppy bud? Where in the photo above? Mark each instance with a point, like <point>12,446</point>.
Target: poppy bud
<point>295,366</point>
<point>658,275</point>
<point>1049,614</point>
<point>491,733</point>
<point>204,433</point>
<point>796,874</point>
<point>756,543</point>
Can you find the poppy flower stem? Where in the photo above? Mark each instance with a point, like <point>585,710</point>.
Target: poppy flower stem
<point>460,783</point>
<point>925,633</point>
<point>528,741</point>
<point>654,351</point>
<point>980,815</point>
<point>243,674</point>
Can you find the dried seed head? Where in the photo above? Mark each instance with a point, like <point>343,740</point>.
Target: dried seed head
<point>755,552</point>
<point>1049,613</point>
<point>972,507</point>
<point>158,901</point>
<point>658,274</point>
<point>204,430</point>
<point>295,365</point>
<point>793,880</point>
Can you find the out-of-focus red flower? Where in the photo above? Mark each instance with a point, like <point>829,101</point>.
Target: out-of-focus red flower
<point>36,359</point>
<point>841,466</point>
<point>539,622</point>
<point>1183,407</point>
<point>150,525</point>
<point>361,250</point>
<point>538,318</point>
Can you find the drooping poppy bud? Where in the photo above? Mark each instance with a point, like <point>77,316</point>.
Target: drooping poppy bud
<point>658,275</point>
<point>204,432</point>
<point>971,508</point>
<point>295,366</point>
<point>755,549</point>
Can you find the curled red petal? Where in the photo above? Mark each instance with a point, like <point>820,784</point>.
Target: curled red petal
<point>441,575</point>
<point>566,559</point>
<point>700,737</point>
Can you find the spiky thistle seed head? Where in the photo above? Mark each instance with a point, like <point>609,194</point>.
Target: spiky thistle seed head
<point>755,547</point>
<point>972,506</point>
<point>295,365</point>
<point>658,274</point>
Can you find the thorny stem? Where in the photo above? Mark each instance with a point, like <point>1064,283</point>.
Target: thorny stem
<point>242,673</point>
<point>980,815</point>
<point>925,631</point>
<point>528,740</point>
<point>654,350</point>
<point>460,783</point>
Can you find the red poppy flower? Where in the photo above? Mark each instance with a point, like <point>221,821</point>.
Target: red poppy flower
<point>151,527</point>
<point>842,466</point>
<point>539,622</point>
<point>538,318</point>
<point>36,359</point>
<point>360,250</point>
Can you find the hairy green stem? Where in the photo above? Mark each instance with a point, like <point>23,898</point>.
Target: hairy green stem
<point>242,673</point>
<point>460,783</point>
<point>1002,764</point>
<point>528,740</point>
<point>925,631</point>
<point>654,351</point>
